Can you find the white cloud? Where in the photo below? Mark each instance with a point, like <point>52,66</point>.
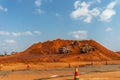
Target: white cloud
<point>82,11</point>
<point>17,34</point>
<point>95,12</point>
<point>27,33</point>
<point>39,11</point>
<point>111,5</point>
<point>99,1</point>
<point>88,19</point>
<point>37,32</point>
<point>10,41</point>
<point>38,3</point>
<point>3,9</point>
<point>108,29</point>
<point>77,4</point>
<point>4,33</point>
<point>107,14</point>
<point>79,34</point>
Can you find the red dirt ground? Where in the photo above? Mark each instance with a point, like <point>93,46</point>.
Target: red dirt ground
<point>48,52</point>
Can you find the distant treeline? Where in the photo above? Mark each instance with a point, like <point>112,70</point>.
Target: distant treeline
<point>6,54</point>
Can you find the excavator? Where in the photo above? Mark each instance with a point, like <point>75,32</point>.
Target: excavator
<point>86,48</point>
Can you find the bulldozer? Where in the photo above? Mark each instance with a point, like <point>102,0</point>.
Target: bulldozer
<point>63,50</point>
<point>87,48</point>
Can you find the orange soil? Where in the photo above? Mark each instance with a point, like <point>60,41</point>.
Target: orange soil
<point>48,52</point>
<point>37,75</point>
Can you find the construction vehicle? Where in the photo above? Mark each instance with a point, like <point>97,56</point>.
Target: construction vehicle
<point>86,48</point>
<point>74,43</point>
<point>63,50</point>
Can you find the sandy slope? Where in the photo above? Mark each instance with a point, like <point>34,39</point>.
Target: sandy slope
<point>48,52</point>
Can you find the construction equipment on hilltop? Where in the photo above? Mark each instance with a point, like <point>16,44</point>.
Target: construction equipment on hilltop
<point>74,43</point>
<point>87,48</point>
<point>63,50</point>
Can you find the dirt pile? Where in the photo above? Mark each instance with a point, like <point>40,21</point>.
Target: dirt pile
<point>49,52</point>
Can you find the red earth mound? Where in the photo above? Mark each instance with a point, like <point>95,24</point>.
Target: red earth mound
<point>49,52</point>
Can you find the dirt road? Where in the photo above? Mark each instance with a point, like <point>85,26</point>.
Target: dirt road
<point>105,72</point>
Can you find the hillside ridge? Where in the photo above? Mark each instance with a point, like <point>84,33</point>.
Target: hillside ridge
<point>77,50</point>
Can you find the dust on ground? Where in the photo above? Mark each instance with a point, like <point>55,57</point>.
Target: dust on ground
<point>96,72</point>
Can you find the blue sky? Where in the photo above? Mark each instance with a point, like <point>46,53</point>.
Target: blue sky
<point>24,22</point>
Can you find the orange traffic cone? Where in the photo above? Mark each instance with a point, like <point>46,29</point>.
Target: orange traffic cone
<point>76,75</point>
